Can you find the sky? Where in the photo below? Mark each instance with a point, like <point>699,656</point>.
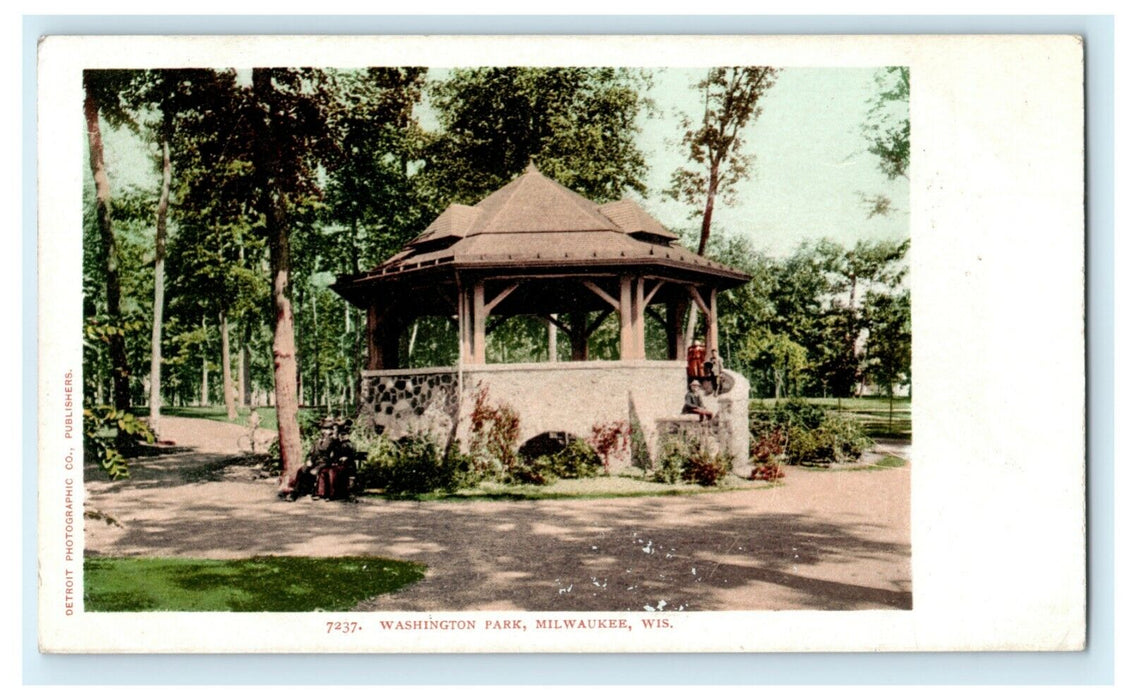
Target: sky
<point>810,162</point>
<point>809,172</point>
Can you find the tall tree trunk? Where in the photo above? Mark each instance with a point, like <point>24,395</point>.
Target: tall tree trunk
<point>245,372</point>
<point>119,365</point>
<point>317,351</point>
<point>707,212</point>
<point>204,399</point>
<point>225,367</point>
<point>159,292</point>
<point>285,362</point>
<point>412,340</point>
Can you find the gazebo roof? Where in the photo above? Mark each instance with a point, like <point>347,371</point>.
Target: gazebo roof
<point>536,224</point>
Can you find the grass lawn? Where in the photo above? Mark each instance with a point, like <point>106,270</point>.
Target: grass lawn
<point>873,412</point>
<point>267,414</point>
<point>260,584</point>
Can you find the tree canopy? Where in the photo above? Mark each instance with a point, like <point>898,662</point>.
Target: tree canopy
<point>279,179</point>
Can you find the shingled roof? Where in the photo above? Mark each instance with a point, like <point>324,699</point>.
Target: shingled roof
<point>534,222</point>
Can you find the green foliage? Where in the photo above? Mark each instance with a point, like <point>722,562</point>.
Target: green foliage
<point>887,125</point>
<point>577,124</point>
<point>260,584</point>
<point>686,458</point>
<point>578,460</point>
<point>105,430</point>
<point>412,465</point>
<point>539,472</point>
<point>640,455</point>
<point>811,434</point>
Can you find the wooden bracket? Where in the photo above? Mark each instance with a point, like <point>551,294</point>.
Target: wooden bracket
<point>601,293</point>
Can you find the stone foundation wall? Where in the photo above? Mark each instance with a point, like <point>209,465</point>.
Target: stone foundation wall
<point>398,402</point>
<point>568,397</point>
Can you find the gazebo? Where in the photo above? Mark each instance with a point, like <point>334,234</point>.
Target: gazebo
<point>535,248</point>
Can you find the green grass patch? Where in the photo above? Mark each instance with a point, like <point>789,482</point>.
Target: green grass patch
<point>890,461</point>
<point>268,417</point>
<point>259,584</point>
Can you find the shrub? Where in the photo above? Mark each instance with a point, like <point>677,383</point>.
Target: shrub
<point>673,453</point>
<point>578,460</point>
<point>706,468</point>
<point>768,445</point>
<point>610,440</point>
<point>413,465</point>
<point>810,435</point>
<point>797,412</point>
<point>494,431</point>
<point>540,472</point>
<point>640,455</point>
<point>687,459</point>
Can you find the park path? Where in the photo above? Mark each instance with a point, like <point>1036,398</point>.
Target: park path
<point>825,540</point>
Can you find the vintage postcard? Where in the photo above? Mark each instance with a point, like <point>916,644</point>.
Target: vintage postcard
<point>543,344</point>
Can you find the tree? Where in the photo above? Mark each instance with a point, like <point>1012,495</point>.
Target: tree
<point>888,345</point>
<point>732,98</point>
<point>785,359</point>
<point>288,114</point>
<point>851,273</point>
<point>887,130</point>
<point>577,124</point>
<point>164,93</point>
<point>102,99</point>
<point>377,142</point>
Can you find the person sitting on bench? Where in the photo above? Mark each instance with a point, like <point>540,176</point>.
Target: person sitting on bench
<point>693,403</point>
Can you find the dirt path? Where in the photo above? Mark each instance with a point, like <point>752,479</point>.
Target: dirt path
<point>834,540</point>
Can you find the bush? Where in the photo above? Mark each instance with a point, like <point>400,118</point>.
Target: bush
<point>611,440</point>
<point>797,412</point>
<point>811,435</point>
<point>687,459</point>
<point>672,457</point>
<point>540,472</point>
<point>576,460</point>
<point>706,468</point>
<point>413,465</point>
<point>494,432</point>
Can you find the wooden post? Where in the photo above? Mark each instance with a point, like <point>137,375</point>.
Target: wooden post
<point>552,339</point>
<point>465,356</point>
<point>478,343</point>
<point>373,361</point>
<point>679,327</point>
<point>711,338</point>
<point>626,334</point>
<point>638,321</point>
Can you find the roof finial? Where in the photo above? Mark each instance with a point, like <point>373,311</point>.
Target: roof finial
<point>531,168</point>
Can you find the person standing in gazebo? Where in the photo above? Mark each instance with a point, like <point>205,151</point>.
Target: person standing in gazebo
<point>695,361</point>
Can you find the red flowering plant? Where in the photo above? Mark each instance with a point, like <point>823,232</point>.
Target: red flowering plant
<point>494,432</point>
<point>610,440</point>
